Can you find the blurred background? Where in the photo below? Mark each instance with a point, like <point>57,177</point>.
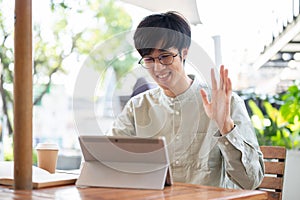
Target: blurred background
<point>258,41</point>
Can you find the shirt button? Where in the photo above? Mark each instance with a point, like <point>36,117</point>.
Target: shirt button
<point>176,162</point>
<point>177,137</point>
<point>226,143</point>
<point>234,140</point>
<point>177,113</point>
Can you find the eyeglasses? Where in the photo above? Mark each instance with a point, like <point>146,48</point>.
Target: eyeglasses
<point>164,59</point>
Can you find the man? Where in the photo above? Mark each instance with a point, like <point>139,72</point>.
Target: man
<point>208,131</point>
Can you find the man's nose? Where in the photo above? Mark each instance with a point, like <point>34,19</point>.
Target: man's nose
<point>157,65</point>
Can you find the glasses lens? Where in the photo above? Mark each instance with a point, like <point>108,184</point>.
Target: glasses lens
<point>166,59</point>
<point>147,62</point>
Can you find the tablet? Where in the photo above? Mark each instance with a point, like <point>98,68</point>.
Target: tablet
<point>125,162</point>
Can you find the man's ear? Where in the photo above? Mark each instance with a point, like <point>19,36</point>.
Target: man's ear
<point>184,53</point>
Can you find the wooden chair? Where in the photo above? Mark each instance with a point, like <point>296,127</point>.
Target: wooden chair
<point>274,160</point>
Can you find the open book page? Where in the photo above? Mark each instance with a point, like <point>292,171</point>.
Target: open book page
<point>40,177</point>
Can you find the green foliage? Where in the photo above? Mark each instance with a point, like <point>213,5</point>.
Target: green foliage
<point>278,127</point>
<point>34,157</point>
<point>9,155</point>
<point>291,109</point>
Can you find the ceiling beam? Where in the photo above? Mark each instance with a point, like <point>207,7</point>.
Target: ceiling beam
<point>288,34</point>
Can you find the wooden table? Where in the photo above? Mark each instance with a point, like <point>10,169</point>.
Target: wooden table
<point>179,191</point>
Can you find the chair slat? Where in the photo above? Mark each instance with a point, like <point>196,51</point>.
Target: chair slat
<point>274,195</point>
<point>274,152</point>
<point>274,160</point>
<point>272,183</point>
<point>274,168</point>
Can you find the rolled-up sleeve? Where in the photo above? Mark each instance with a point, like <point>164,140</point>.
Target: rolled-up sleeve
<point>243,159</point>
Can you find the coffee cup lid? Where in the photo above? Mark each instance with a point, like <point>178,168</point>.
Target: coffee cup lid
<point>51,146</point>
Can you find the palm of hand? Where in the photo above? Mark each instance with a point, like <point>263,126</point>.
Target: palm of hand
<point>218,108</point>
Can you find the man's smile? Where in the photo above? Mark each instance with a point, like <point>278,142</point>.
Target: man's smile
<point>163,76</point>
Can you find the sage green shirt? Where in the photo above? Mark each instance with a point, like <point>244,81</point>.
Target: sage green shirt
<point>198,153</point>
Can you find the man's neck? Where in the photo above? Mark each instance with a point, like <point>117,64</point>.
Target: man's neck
<point>180,88</point>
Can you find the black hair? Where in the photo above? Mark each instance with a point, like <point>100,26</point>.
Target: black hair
<point>162,31</point>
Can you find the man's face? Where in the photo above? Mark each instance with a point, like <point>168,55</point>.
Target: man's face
<point>168,76</point>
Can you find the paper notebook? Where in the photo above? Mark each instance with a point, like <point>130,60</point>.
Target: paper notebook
<point>40,177</point>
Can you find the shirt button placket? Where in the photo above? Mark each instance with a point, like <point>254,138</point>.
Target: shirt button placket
<point>177,123</point>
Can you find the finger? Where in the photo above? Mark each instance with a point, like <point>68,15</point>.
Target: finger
<point>222,77</point>
<point>225,78</point>
<point>228,86</point>
<point>225,74</point>
<point>227,82</point>
<point>204,97</point>
<point>213,78</point>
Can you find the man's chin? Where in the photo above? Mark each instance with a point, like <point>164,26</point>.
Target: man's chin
<point>164,83</point>
<point>164,86</point>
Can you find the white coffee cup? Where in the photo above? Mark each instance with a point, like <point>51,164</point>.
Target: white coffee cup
<point>47,156</point>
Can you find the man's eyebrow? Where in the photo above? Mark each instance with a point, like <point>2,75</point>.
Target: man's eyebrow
<point>164,50</point>
<point>160,50</point>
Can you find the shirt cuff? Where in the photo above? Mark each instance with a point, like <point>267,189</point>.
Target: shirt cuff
<point>218,133</point>
<point>230,140</point>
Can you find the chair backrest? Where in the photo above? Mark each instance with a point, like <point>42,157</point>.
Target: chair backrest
<point>274,160</point>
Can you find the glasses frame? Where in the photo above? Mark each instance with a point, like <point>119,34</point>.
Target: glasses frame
<point>159,59</point>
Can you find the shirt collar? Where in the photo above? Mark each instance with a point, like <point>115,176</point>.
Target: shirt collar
<point>193,90</point>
